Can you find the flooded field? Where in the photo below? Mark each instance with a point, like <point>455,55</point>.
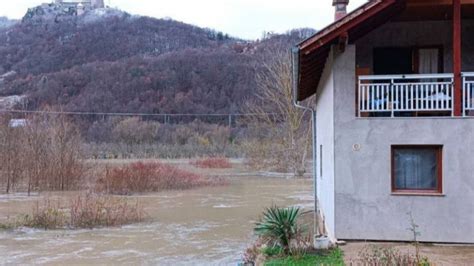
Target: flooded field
<point>196,227</point>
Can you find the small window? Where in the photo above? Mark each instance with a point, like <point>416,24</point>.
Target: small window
<point>417,169</point>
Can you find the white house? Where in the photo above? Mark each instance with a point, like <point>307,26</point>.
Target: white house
<point>394,88</point>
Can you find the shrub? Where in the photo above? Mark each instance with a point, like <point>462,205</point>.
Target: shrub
<point>47,215</point>
<point>92,211</point>
<point>251,253</point>
<point>373,255</point>
<point>213,162</point>
<point>85,211</point>
<point>279,226</point>
<point>150,177</point>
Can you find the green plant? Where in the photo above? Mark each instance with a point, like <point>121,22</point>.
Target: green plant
<point>420,261</point>
<point>272,251</point>
<point>279,225</point>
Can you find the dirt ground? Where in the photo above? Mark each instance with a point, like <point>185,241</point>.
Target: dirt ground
<point>437,254</point>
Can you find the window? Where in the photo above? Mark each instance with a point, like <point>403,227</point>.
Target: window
<point>417,169</point>
<point>408,60</point>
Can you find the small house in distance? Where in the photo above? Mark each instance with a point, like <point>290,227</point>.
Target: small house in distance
<point>17,123</point>
<point>394,88</point>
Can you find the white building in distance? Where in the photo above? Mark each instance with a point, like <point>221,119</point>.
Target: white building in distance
<point>85,4</point>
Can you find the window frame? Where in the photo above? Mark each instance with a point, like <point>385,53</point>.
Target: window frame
<point>439,175</point>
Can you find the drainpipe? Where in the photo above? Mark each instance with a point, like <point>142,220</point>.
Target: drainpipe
<point>295,52</point>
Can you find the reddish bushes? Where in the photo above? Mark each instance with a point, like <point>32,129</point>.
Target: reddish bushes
<point>150,177</point>
<point>214,162</point>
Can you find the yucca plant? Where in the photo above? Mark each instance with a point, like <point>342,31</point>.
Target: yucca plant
<point>279,225</point>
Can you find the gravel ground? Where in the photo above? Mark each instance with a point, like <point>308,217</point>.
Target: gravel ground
<point>437,254</point>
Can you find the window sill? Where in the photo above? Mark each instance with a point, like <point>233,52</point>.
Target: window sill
<point>419,194</point>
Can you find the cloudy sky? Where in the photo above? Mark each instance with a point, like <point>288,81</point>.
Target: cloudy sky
<point>242,18</point>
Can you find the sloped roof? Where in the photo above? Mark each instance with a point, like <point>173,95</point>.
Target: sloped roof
<point>313,52</point>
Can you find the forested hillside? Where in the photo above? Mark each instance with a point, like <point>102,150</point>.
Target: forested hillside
<point>110,61</point>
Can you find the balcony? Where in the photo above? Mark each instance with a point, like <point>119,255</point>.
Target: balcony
<point>415,95</point>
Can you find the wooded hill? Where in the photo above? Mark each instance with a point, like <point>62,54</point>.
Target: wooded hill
<point>110,61</point>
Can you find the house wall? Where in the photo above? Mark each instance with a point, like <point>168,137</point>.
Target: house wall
<point>364,205</point>
<point>423,33</point>
<point>325,133</point>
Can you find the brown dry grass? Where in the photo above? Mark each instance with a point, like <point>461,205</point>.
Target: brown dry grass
<point>84,211</point>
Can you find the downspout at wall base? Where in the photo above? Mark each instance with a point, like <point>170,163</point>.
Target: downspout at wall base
<point>318,236</point>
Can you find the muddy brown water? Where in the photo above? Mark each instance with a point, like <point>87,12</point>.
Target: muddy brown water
<point>207,226</point>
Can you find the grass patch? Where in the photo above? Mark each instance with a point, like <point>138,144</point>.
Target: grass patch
<point>333,257</point>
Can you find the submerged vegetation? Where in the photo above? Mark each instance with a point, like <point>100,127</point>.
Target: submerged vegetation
<point>43,154</point>
<point>212,162</point>
<point>85,211</point>
<point>151,177</point>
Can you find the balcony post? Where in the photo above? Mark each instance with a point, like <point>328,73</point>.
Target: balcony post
<point>457,57</point>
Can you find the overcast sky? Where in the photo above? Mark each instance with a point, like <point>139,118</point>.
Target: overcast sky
<point>242,18</point>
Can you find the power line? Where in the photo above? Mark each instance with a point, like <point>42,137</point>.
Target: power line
<point>132,114</point>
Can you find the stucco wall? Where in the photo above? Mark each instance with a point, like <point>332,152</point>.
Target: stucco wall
<point>325,133</point>
<point>364,205</point>
<point>424,33</point>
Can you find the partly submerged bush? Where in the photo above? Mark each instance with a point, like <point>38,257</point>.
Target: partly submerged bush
<point>150,177</point>
<point>47,215</point>
<point>279,226</point>
<point>98,211</point>
<point>84,211</point>
<point>212,162</point>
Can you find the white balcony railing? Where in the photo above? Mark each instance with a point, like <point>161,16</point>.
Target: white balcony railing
<point>468,93</point>
<point>397,94</point>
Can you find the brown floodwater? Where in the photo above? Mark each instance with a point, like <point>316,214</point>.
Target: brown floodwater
<point>207,226</point>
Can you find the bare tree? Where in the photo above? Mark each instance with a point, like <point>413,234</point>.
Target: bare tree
<point>10,154</point>
<point>43,154</point>
<point>64,153</point>
<point>288,129</point>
